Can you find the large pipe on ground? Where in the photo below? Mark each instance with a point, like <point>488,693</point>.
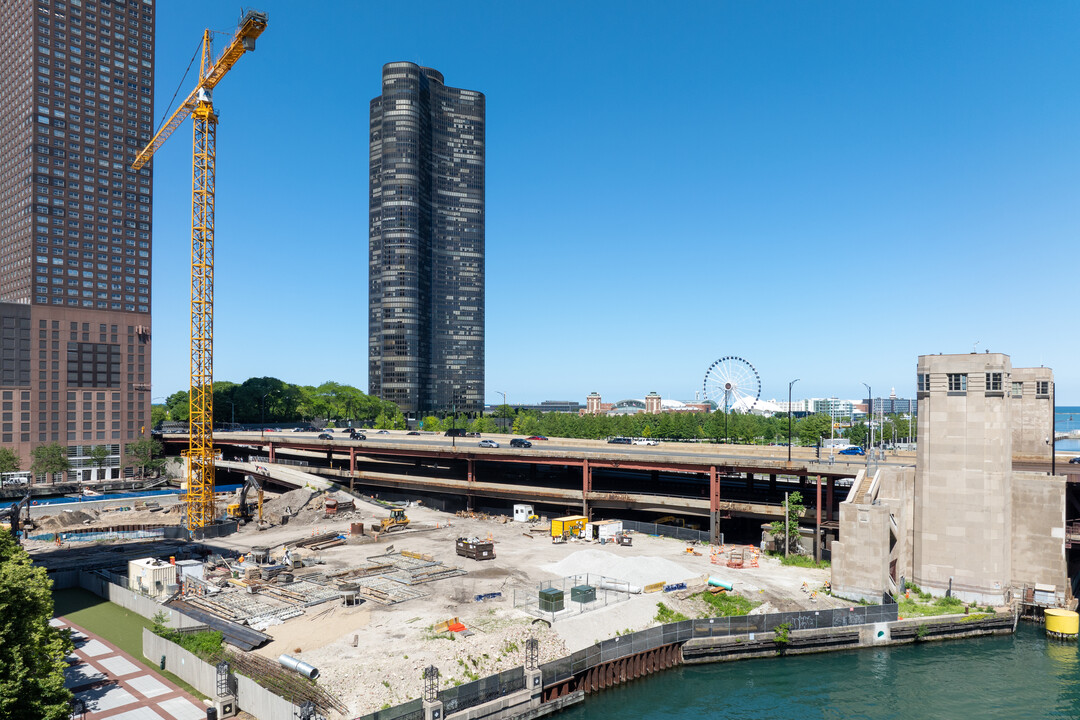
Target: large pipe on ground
<point>299,666</point>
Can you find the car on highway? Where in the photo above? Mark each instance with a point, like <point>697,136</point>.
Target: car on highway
<point>383,432</point>
<point>325,436</point>
<point>853,450</point>
<point>298,430</point>
<point>1075,460</point>
<point>537,437</point>
<point>353,435</point>
<point>619,441</point>
<point>413,432</point>
<point>520,443</point>
<point>488,444</point>
<point>646,441</point>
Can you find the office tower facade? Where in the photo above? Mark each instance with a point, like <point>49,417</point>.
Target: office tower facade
<point>75,228</point>
<point>426,263</point>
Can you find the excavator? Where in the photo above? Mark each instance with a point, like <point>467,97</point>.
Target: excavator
<point>397,521</point>
<point>11,517</point>
<point>242,509</point>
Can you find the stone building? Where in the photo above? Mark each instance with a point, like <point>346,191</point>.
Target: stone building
<point>962,521</point>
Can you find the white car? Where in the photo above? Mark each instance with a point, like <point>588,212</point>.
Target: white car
<point>488,444</point>
<point>646,441</point>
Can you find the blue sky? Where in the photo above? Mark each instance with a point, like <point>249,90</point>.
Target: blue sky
<point>826,189</point>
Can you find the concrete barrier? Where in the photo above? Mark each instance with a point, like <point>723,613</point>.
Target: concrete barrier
<point>139,604</point>
<point>251,697</point>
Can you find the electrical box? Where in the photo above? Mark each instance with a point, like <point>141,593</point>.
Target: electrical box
<point>583,593</point>
<point>551,600</point>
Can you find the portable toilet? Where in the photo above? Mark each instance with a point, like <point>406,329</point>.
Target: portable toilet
<point>522,513</point>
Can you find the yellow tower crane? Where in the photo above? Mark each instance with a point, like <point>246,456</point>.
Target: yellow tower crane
<point>199,105</point>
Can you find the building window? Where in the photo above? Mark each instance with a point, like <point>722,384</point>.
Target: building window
<point>993,382</point>
<point>1042,388</point>
<point>1018,389</point>
<point>924,382</point>
<point>957,382</point>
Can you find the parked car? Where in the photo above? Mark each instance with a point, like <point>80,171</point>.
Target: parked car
<point>489,444</point>
<point>853,450</point>
<point>325,436</point>
<point>619,441</point>
<point>537,437</point>
<point>520,443</point>
<point>1075,460</point>
<point>646,441</point>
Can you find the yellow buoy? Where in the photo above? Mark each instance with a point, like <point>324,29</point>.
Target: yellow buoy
<point>1063,624</point>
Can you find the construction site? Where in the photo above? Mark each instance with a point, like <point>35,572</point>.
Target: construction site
<point>371,593</point>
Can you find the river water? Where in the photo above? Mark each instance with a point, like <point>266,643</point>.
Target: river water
<point>1021,676</point>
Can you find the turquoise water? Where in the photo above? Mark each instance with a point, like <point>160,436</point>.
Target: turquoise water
<point>1021,676</point>
<point>1067,417</point>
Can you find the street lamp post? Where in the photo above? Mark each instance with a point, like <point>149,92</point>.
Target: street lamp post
<point>262,412</point>
<point>504,404</point>
<point>232,405</point>
<point>869,420</point>
<point>789,418</point>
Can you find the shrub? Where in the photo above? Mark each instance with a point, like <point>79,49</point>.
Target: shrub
<point>665,615</point>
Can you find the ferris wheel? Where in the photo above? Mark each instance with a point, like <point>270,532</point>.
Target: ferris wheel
<point>732,383</point>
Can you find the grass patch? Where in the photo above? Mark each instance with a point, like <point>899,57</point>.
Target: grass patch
<point>122,627</point>
<point>726,604</point>
<point>804,561</point>
<point>665,615</point>
<point>923,607</point>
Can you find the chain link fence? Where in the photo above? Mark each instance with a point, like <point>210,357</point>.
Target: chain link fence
<point>672,531</point>
<point>576,594</point>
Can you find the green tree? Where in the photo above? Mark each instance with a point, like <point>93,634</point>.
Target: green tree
<point>9,461</point>
<point>432,424</point>
<point>813,428</point>
<point>49,459</point>
<point>145,453</point>
<point>99,454</point>
<point>791,533</point>
<point>31,651</point>
<point>177,406</point>
<point>158,414</point>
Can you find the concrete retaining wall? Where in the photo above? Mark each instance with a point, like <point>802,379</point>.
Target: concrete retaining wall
<point>139,604</point>
<point>250,696</point>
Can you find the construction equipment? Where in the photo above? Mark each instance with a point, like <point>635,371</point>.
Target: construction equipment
<point>199,500</point>
<point>241,510</point>
<point>396,521</point>
<point>11,517</point>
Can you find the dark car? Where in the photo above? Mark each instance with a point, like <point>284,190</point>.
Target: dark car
<point>455,432</point>
<point>619,441</point>
<point>1075,460</point>
<point>519,442</point>
<point>537,437</point>
<point>853,450</point>
<point>413,432</point>
<point>325,436</point>
<point>353,435</point>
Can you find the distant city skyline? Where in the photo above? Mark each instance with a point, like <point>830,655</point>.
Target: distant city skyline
<point>829,190</point>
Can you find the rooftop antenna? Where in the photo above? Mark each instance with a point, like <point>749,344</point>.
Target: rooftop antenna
<point>973,347</point>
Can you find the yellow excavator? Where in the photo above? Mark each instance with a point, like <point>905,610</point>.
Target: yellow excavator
<point>397,521</point>
<point>242,510</point>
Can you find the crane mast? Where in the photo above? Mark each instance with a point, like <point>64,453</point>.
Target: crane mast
<point>199,105</point>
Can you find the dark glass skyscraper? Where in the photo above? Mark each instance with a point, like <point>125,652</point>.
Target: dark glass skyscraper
<point>426,264</point>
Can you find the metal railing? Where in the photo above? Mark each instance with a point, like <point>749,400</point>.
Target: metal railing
<point>672,531</point>
<point>680,632</point>
<point>478,692</point>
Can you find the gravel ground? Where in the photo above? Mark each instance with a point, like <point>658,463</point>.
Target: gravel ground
<point>395,643</point>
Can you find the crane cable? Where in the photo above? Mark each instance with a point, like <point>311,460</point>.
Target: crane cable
<point>191,62</point>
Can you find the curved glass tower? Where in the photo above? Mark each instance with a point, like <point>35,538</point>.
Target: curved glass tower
<point>426,263</point>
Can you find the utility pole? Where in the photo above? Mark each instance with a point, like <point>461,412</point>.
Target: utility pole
<point>789,418</point>
<point>869,421</point>
<point>786,530</point>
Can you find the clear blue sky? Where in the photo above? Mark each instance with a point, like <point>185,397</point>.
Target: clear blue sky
<point>827,189</point>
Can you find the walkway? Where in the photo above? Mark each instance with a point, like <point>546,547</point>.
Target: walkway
<point>117,686</point>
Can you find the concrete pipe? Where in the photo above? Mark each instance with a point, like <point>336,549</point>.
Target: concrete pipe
<point>299,666</point>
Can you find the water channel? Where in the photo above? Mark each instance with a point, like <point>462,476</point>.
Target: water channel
<point>1016,676</point>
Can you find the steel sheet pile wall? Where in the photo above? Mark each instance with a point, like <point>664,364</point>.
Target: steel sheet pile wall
<point>652,638</point>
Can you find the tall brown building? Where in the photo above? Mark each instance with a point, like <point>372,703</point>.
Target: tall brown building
<point>75,234</point>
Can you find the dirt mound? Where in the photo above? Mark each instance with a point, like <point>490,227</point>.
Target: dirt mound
<point>290,503</point>
<point>66,519</point>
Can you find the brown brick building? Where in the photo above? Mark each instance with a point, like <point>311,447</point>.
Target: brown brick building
<point>75,227</point>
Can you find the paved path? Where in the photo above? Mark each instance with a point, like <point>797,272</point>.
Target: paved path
<point>115,685</point>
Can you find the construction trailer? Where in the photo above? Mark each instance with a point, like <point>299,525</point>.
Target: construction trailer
<point>568,526</point>
<point>524,513</point>
<point>603,531</point>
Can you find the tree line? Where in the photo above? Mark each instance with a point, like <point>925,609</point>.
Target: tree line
<point>268,400</point>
